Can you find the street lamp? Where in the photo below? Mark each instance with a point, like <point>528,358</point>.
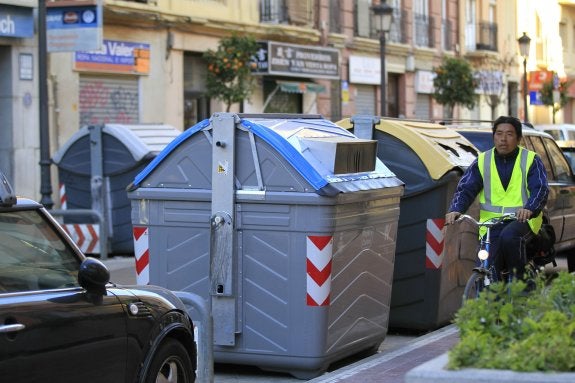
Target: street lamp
<point>382,17</point>
<point>524,42</point>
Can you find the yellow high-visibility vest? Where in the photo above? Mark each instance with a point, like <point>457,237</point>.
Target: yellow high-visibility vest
<point>494,200</point>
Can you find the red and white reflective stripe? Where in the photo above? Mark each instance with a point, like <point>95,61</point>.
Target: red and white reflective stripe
<point>319,260</point>
<point>434,242</point>
<point>85,236</point>
<point>63,198</point>
<point>142,255</point>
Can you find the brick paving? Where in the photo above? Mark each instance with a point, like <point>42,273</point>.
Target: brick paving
<point>391,366</point>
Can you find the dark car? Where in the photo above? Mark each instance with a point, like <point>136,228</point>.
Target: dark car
<point>62,321</point>
<point>560,206</point>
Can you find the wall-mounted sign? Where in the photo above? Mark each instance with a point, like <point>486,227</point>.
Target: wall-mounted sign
<point>489,82</point>
<point>424,81</point>
<point>26,66</point>
<point>73,25</point>
<point>259,63</point>
<point>115,57</point>
<point>16,21</point>
<point>293,60</point>
<point>364,70</point>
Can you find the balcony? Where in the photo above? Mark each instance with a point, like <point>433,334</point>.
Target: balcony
<point>273,11</point>
<point>446,35</point>
<point>481,37</point>
<point>398,33</point>
<point>423,30</point>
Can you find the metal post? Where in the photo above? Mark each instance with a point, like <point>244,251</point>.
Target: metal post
<point>99,189</point>
<point>222,261</point>
<point>525,93</point>
<point>45,178</point>
<point>205,339</point>
<point>383,74</point>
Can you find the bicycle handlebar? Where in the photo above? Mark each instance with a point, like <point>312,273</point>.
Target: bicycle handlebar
<point>491,221</point>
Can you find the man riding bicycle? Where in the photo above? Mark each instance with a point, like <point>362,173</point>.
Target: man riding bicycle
<point>507,178</point>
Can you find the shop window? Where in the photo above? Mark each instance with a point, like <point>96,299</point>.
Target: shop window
<point>279,101</point>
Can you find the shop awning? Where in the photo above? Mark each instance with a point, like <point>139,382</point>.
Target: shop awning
<point>300,87</point>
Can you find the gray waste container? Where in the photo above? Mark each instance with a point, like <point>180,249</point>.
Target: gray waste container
<point>431,264</point>
<point>123,150</point>
<point>286,224</point>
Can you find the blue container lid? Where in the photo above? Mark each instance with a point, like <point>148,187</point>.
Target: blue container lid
<point>287,136</point>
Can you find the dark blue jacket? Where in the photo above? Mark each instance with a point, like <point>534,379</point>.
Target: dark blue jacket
<point>472,183</point>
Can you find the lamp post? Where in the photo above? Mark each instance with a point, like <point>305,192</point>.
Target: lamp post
<point>524,42</point>
<point>45,177</point>
<point>382,17</point>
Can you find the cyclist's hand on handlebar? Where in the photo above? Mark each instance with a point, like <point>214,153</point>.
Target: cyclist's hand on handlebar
<point>451,217</point>
<point>523,215</point>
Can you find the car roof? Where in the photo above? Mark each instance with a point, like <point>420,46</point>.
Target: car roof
<point>566,144</point>
<point>480,133</point>
<point>554,126</point>
<point>486,129</point>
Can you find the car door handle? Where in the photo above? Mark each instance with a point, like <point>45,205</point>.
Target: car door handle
<point>11,328</point>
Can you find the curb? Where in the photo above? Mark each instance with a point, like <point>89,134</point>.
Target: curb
<point>433,372</point>
<point>376,360</point>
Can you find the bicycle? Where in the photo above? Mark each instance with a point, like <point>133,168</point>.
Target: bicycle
<point>538,255</point>
<point>484,274</point>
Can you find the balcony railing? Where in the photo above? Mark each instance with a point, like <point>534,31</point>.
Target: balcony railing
<point>398,34</point>
<point>273,11</point>
<point>446,37</point>
<point>335,17</point>
<point>487,37</point>
<point>482,36</point>
<point>423,30</point>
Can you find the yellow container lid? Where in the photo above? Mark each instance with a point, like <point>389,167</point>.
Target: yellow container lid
<point>440,148</point>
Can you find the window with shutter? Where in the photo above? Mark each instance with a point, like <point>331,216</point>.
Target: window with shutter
<point>300,12</point>
<point>362,18</point>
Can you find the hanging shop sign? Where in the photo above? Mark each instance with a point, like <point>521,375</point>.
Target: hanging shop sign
<point>292,60</point>
<point>115,57</point>
<point>16,21</point>
<point>73,25</point>
<point>539,77</point>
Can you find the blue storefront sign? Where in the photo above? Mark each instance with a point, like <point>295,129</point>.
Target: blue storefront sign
<point>16,21</point>
<point>116,57</point>
<point>73,28</point>
<point>535,98</point>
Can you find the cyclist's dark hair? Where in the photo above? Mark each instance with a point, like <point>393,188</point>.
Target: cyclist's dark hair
<point>508,120</point>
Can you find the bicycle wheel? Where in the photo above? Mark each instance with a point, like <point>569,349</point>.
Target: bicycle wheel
<point>475,284</point>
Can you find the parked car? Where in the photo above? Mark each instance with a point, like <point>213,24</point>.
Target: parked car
<point>564,135</point>
<point>62,321</point>
<point>568,149</point>
<point>560,132</point>
<point>560,206</point>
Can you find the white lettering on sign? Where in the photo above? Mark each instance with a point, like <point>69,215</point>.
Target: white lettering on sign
<point>119,49</point>
<point>7,26</point>
<point>54,18</point>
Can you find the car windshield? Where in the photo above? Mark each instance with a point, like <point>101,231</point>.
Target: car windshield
<point>33,256</point>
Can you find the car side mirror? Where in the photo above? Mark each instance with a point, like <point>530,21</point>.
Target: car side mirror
<point>93,276</point>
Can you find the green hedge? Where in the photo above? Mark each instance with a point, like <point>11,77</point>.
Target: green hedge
<point>508,329</point>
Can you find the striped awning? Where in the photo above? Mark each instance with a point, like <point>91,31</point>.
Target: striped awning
<point>300,87</point>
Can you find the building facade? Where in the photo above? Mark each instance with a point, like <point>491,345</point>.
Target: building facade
<point>316,56</point>
<point>19,128</point>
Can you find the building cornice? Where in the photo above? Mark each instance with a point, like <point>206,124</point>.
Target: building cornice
<point>145,18</point>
